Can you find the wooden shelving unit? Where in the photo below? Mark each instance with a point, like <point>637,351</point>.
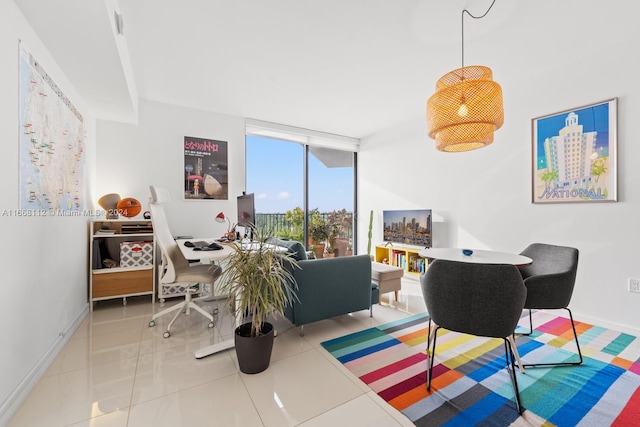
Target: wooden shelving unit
<point>130,271</point>
<point>404,257</point>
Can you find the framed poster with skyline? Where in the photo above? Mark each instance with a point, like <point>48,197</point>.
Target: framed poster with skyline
<point>205,169</point>
<point>574,155</point>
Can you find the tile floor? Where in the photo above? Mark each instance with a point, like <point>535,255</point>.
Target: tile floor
<point>117,371</point>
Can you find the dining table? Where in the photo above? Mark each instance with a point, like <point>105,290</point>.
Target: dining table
<point>476,256</point>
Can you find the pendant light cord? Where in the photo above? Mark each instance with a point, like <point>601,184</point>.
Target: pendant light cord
<point>474,17</point>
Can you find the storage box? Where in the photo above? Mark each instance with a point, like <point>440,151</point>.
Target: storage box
<point>136,254</point>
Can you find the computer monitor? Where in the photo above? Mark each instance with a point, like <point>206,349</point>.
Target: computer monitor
<point>246,210</point>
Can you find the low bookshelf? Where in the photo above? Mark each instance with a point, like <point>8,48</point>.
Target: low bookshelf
<point>405,257</point>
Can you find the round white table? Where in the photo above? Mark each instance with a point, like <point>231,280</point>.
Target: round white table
<point>478,256</point>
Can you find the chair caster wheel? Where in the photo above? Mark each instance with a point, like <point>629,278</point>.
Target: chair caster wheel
<point>211,325</point>
<point>215,311</point>
<point>167,334</point>
<point>152,323</point>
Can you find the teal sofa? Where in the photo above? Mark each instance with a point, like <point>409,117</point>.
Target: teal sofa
<point>329,287</point>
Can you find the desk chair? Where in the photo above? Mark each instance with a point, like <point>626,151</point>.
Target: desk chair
<point>485,300</point>
<point>175,269</point>
<point>550,279</point>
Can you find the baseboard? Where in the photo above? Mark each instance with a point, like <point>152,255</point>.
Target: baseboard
<point>579,317</point>
<point>20,393</point>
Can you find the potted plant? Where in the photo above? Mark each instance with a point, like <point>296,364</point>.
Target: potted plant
<point>318,232</point>
<point>295,225</point>
<point>369,235</point>
<point>330,248</point>
<point>340,224</point>
<point>261,283</point>
<point>349,251</point>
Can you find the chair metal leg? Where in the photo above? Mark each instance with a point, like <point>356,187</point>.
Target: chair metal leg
<point>431,354</point>
<point>575,335</point>
<point>430,336</point>
<point>530,325</point>
<point>159,314</point>
<point>515,351</point>
<point>184,306</point>
<point>511,367</point>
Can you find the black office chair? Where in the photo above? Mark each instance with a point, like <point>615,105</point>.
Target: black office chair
<point>550,280</point>
<point>478,299</point>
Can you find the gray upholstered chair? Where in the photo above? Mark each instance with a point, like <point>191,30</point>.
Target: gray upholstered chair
<point>550,280</point>
<point>478,299</point>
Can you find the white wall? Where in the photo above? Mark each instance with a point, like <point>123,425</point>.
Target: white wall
<point>481,199</point>
<point>44,288</point>
<point>131,157</point>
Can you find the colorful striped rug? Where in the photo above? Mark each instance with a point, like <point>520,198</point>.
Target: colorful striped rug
<point>471,385</point>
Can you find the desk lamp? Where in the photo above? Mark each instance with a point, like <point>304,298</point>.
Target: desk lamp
<point>221,217</point>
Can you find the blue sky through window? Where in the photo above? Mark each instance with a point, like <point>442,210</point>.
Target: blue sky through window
<point>274,171</point>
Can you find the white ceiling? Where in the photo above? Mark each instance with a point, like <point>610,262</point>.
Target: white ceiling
<point>349,67</point>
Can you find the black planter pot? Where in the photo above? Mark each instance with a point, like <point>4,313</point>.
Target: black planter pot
<point>254,353</point>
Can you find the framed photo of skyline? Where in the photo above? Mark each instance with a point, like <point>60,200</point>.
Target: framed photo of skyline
<point>574,155</point>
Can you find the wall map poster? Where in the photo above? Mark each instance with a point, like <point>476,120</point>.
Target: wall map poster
<point>205,169</point>
<point>51,143</point>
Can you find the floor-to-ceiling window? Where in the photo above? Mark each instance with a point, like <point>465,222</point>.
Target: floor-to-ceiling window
<point>304,185</point>
<point>331,192</point>
<point>276,177</point>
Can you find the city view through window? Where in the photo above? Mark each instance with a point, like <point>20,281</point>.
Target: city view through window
<point>275,174</point>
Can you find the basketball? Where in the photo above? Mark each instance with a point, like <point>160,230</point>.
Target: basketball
<point>129,207</point>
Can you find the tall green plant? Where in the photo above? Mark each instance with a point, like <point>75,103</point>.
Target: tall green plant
<point>295,225</point>
<point>259,279</point>
<point>370,226</point>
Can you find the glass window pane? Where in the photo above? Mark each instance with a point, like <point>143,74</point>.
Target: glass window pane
<point>275,173</point>
<point>331,195</point>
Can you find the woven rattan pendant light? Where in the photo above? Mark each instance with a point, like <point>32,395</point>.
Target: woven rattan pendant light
<point>467,106</point>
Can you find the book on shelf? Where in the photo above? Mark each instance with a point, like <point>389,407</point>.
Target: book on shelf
<point>105,232</point>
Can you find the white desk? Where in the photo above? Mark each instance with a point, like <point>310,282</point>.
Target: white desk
<point>478,257</point>
<point>219,255</point>
<point>191,254</point>
<point>216,255</point>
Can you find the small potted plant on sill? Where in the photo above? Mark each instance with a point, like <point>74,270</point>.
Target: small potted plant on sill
<point>261,283</point>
